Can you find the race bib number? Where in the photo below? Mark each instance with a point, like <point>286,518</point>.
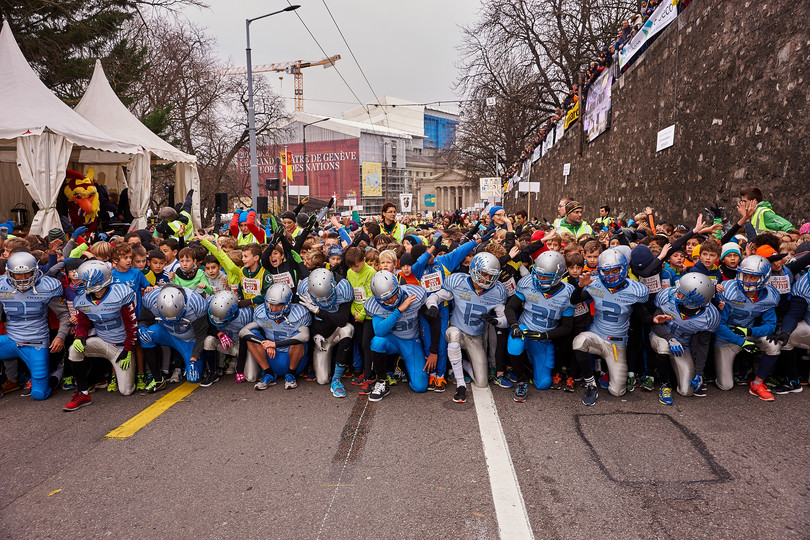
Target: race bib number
<point>780,283</point>
<point>510,286</point>
<point>283,277</point>
<point>251,286</point>
<point>360,294</point>
<point>653,283</point>
<point>665,283</point>
<point>432,282</point>
<point>71,309</point>
<point>580,309</point>
<point>235,288</point>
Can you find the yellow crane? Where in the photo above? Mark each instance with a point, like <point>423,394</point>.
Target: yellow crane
<point>294,68</point>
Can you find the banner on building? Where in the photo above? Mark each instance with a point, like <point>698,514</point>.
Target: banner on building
<point>430,199</point>
<point>665,13</point>
<point>490,189</point>
<point>286,167</point>
<point>372,179</point>
<point>405,202</point>
<point>572,115</point>
<point>560,131</point>
<point>538,152</point>
<point>596,118</point>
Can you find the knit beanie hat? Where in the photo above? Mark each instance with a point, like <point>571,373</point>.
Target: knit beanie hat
<point>730,247</point>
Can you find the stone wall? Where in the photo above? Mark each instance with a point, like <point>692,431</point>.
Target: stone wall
<point>733,78</point>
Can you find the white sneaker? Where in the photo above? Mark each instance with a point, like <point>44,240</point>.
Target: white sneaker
<point>176,375</point>
<point>231,369</point>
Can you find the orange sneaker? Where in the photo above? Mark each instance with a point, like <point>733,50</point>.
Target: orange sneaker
<point>556,381</point>
<point>439,384</point>
<point>569,385</point>
<point>761,391</point>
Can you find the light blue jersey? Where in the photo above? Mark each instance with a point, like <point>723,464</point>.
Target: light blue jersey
<point>106,315</point>
<point>407,326</point>
<point>243,317</point>
<point>742,311</point>
<point>683,329</point>
<point>613,309</point>
<point>343,291</point>
<point>196,308</point>
<point>542,313</point>
<point>27,312</point>
<point>802,290</point>
<point>469,305</point>
<point>285,328</point>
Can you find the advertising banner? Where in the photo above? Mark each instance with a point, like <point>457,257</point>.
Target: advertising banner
<point>405,200</point>
<point>572,115</point>
<point>430,199</point>
<point>597,107</point>
<point>490,189</point>
<point>665,13</point>
<point>558,134</point>
<point>372,179</point>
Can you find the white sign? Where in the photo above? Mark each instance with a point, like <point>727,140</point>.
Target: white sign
<point>490,102</point>
<point>405,200</point>
<point>359,208</point>
<point>559,132</point>
<point>666,138</point>
<point>529,187</point>
<point>349,202</point>
<point>298,190</point>
<point>665,13</point>
<point>347,213</point>
<point>490,188</point>
<point>566,169</point>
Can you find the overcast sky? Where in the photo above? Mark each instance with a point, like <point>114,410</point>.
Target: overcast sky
<point>406,49</point>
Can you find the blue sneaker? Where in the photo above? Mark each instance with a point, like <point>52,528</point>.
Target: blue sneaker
<point>268,379</point>
<point>290,382</point>
<point>604,380</point>
<point>503,382</point>
<point>665,395</point>
<point>511,376</point>
<point>337,389</point>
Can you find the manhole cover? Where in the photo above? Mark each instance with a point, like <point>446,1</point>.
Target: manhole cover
<point>647,448</point>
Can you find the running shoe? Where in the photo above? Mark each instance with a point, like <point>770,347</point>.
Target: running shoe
<point>440,384</point>
<point>431,382</point>
<point>140,382</point>
<point>209,379</point>
<point>68,383</point>
<point>230,365</point>
<point>741,380</point>
<point>492,372</point>
<point>665,395</point>
<point>348,373</point>
<point>647,383</point>
<point>310,376</point>
<point>503,382</point>
<point>10,386</point>
<point>113,384</point>
<point>268,379</point>
<point>100,384</point>
<point>772,382</point>
<point>381,389</point>
<point>511,376</point>
<point>154,386</point>
<point>461,394</point>
<point>290,382</point>
<point>367,387</point>
<point>761,391</point>
<point>556,381</point>
<point>788,387</point>
<point>391,379</point>
<point>521,392</point>
<point>569,385</point>
<point>604,380</point>
<point>631,383</point>
<point>700,391</point>
<point>591,393</point>
<point>26,389</point>
<point>78,401</point>
<point>358,380</point>
<point>400,375</point>
<point>240,377</point>
<point>337,389</point>
<point>177,374</point>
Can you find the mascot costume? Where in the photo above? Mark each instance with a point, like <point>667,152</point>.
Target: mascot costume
<point>82,199</point>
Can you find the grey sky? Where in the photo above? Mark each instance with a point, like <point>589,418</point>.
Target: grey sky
<point>407,49</point>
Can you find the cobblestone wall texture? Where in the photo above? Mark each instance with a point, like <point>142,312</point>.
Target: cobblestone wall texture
<point>732,76</point>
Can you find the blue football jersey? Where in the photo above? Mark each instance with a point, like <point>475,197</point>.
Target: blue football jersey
<point>612,317</point>
<point>106,315</point>
<point>741,310</point>
<point>243,317</point>
<point>407,327</point>
<point>285,328</point>
<point>196,308</point>
<point>469,305</point>
<point>27,312</point>
<point>343,291</point>
<point>802,290</point>
<point>684,329</point>
<point>542,313</point>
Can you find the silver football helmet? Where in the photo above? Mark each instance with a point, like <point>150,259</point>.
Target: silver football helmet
<point>694,290</point>
<point>384,286</point>
<point>613,266</point>
<point>753,265</point>
<point>321,287</point>
<point>171,303</point>
<point>93,276</point>
<point>485,270</point>
<point>19,264</point>
<point>222,308</point>
<point>548,270</point>
<point>279,294</point>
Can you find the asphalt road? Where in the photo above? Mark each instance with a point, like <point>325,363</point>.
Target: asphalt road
<point>230,462</point>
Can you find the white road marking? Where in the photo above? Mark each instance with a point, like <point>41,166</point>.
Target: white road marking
<point>510,509</point>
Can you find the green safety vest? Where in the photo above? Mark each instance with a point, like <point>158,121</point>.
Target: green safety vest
<point>188,234</point>
<point>245,239</point>
<point>758,219</point>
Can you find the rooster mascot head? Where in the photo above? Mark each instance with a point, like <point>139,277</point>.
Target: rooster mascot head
<point>82,195</point>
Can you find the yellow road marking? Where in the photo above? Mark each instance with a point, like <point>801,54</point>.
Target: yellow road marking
<point>134,424</point>
<point>54,492</point>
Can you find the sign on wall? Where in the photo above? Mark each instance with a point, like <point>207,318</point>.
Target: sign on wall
<point>430,199</point>
<point>372,179</point>
<point>597,107</point>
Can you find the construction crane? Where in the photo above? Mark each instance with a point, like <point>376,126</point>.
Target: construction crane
<point>294,68</point>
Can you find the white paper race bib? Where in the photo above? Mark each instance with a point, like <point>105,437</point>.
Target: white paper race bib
<point>580,309</point>
<point>653,283</point>
<point>780,283</point>
<point>71,310</point>
<point>360,294</point>
<point>283,277</point>
<point>252,286</point>
<point>665,283</point>
<point>432,282</point>
<point>510,286</point>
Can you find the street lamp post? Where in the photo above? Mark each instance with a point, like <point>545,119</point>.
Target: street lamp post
<point>254,162</point>
<point>304,128</point>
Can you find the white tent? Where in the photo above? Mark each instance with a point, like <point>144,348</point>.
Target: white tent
<point>102,107</point>
<point>39,136</point>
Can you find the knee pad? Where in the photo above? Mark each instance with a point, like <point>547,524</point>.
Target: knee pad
<point>452,335</point>
<point>344,332</point>
<point>579,343</point>
<point>210,343</point>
